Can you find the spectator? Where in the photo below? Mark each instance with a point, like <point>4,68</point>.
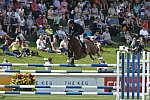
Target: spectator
<point>14,22</point>
<point>15,46</point>
<point>7,24</point>
<point>39,21</point>
<point>41,44</point>
<point>145,34</point>
<point>56,4</point>
<point>25,48</point>
<point>35,8</point>
<point>4,35</point>
<point>63,21</point>
<point>5,49</point>
<point>45,22</point>
<point>50,15</point>
<point>30,25</point>
<point>63,45</point>
<point>107,38</point>
<point>128,37</point>
<point>61,34</point>
<point>48,61</point>
<point>112,10</point>
<point>21,22</point>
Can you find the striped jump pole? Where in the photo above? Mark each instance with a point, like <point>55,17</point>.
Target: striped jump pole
<point>143,77</point>
<point>58,93</point>
<point>128,75</point>
<point>60,65</point>
<point>138,77</point>
<point>58,86</point>
<point>148,81</point>
<point>122,83</point>
<point>59,71</point>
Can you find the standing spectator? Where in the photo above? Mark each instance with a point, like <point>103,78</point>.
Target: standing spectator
<point>48,61</point>
<point>107,38</point>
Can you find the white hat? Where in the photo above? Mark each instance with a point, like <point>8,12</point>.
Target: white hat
<point>41,26</point>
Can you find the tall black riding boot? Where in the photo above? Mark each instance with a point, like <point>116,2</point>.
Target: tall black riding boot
<point>84,47</point>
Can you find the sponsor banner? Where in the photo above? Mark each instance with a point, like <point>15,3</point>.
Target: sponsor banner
<point>70,81</point>
<point>111,81</point>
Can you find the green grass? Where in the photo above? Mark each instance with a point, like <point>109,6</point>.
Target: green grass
<point>55,97</point>
<point>109,56</point>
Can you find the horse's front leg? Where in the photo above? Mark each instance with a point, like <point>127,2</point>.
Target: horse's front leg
<point>72,59</point>
<point>68,57</point>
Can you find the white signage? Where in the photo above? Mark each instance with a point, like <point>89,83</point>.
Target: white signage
<point>69,81</point>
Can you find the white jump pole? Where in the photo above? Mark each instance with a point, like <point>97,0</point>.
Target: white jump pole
<point>118,65</point>
<point>143,77</point>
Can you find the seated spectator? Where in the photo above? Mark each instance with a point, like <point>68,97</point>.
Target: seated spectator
<point>15,46</point>
<point>61,33</point>
<point>25,48</point>
<point>145,34</point>
<point>63,45</point>
<point>14,22</point>
<point>128,37</point>
<point>7,24</point>
<point>30,25</point>
<point>42,32</point>
<point>35,8</point>
<point>4,35</point>
<point>6,50</point>
<point>39,21</point>
<point>88,32</point>
<point>107,38</point>
<point>41,44</point>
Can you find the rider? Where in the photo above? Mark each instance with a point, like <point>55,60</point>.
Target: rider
<point>77,30</point>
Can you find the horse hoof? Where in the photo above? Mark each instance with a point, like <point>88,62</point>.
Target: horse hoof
<point>100,58</point>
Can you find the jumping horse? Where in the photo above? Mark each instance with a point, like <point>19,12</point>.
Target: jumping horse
<point>75,49</point>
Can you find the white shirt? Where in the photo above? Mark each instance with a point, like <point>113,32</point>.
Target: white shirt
<point>63,44</point>
<point>40,44</point>
<point>144,32</point>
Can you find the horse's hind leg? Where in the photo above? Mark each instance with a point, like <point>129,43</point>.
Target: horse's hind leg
<point>91,57</point>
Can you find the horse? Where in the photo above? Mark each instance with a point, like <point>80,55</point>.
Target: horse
<point>75,49</point>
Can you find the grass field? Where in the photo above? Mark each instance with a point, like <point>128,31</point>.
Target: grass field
<point>109,56</point>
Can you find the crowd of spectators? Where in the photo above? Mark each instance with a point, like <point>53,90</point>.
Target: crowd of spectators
<point>47,18</point>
